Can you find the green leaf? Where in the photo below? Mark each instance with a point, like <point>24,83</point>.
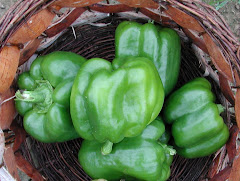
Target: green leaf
<point>222,4</point>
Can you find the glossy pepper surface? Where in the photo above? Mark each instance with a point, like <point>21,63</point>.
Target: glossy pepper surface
<point>113,101</point>
<point>45,101</point>
<point>197,127</point>
<point>138,158</point>
<point>161,45</point>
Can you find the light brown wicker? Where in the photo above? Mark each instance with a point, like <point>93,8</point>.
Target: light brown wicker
<point>209,48</point>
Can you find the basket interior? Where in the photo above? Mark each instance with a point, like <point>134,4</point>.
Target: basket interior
<point>59,161</point>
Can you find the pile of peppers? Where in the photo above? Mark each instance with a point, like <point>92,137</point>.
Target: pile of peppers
<point>123,109</point>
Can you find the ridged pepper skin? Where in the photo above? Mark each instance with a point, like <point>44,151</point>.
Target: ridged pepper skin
<point>138,158</point>
<point>45,101</point>
<point>197,127</point>
<point>113,101</point>
<point>161,45</point>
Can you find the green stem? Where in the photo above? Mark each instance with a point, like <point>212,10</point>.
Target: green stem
<point>30,96</point>
<point>41,96</point>
<point>107,148</point>
<point>151,21</point>
<point>169,149</point>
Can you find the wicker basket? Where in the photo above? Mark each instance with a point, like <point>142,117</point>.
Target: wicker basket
<point>37,27</point>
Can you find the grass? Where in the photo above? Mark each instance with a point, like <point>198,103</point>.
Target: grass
<point>218,4</point>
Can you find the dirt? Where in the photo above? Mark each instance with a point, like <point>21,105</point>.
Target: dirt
<point>5,5</point>
<point>231,13</point>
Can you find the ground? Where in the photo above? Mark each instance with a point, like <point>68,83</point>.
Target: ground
<point>231,13</point>
<point>4,5</point>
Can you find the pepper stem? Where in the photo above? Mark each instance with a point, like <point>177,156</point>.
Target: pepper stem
<point>220,108</point>
<point>41,96</point>
<point>30,96</point>
<point>107,148</point>
<point>169,149</point>
<point>151,21</point>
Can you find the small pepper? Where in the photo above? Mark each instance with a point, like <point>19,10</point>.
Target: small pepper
<point>113,101</point>
<point>45,100</point>
<point>197,127</point>
<point>142,157</point>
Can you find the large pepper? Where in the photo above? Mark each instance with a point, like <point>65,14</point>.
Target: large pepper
<point>197,127</point>
<point>113,101</point>
<point>161,45</point>
<point>46,100</point>
<point>142,157</point>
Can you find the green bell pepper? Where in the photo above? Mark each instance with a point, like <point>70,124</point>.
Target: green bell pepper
<point>113,101</point>
<point>161,45</point>
<point>197,127</point>
<point>138,158</point>
<point>45,101</point>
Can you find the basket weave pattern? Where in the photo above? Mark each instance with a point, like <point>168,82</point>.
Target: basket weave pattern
<point>208,48</point>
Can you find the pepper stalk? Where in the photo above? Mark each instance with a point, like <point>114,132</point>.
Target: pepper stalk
<point>41,96</point>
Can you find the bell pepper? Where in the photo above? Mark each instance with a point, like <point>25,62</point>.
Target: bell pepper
<point>161,45</point>
<point>142,157</point>
<point>45,99</point>
<point>113,101</point>
<point>197,127</point>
